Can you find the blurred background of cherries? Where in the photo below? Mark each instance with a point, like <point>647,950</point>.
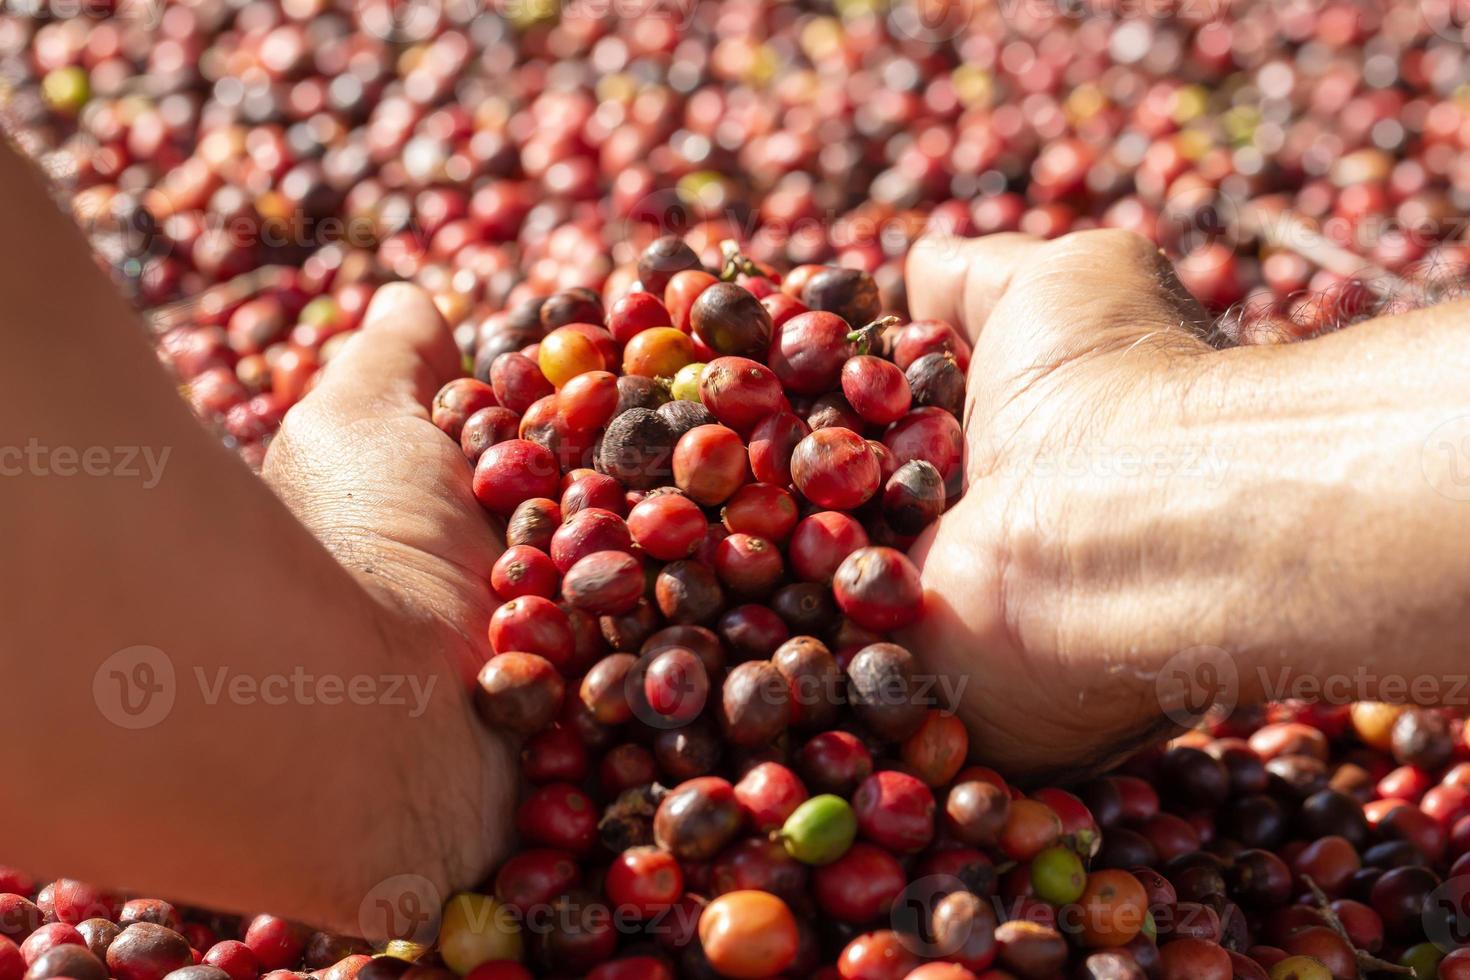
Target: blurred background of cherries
<point>249,171</point>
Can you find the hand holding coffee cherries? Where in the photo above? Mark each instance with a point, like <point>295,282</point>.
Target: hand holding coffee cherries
<point>1139,504</point>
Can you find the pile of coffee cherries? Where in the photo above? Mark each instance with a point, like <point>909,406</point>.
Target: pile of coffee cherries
<point>731,770</point>
<point>1296,842</point>
<point>498,151</point>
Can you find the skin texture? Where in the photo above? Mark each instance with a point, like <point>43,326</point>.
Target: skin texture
<point>371,558</point>
<point>1311,534</point>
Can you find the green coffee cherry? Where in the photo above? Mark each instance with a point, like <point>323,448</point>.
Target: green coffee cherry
<point>686,382</point>
<point>1057,876</point>
<point>820,830</point>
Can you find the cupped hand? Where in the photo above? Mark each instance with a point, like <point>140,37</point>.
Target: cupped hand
<point>362,466</point>
<point>1075,449</point>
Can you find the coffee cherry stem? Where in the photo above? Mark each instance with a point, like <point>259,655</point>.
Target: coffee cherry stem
<point>1367,962</point>
<point>866,338</point>
<point>735,262</point>
<point>231,293</point>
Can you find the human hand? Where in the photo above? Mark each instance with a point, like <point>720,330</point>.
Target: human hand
<point>1035,579</point>
<point>361,465</point>
<point>1140,505</point>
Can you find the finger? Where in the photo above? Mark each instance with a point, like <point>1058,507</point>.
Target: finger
<point>959,280</point>
<point>394,364</point>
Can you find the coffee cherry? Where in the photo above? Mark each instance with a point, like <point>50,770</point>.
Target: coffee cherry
<point>688,592</point>
<point>813,678</point>
<point>661,260</point>
<point>834,762</point>
<point>768,794</point>
<point>710,463</point>
<point>935,380</point>
<point>913,497</point>
<point>834,468</point>
<point>748,934</point>
<point>809,352</point>
<point>849,293</point>
<point>821,542</point>
<point>740,392</point>
<point>645,880</point>
<point>883,693</point>
<point>519,692</point>
<point>676,685</point>
<point>476,929</point>
<point>754,705</point>
<point>78,963</point>
<point>144,951</point>
<point>771,444</point>
<point>878,588</point>
<point>604,583</point>
<point>698,818</point>
<point>731,321</point>
<point>876,389</point>
<point>636,449</point>
<point>895,810</point>
<point>860,885</point>
<point>660,352</point>
<point>513,472</point>
<point>457,401</point>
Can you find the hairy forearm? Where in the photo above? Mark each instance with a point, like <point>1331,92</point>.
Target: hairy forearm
<point>1362,466</point>
<point>1302,509</point>
<point>194,557</point>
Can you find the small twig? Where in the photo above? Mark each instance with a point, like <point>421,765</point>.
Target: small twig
<point>1367,962</point>
<point>1285,230</point>
<point>868,338</point>
<point>735,263</point>
<point>229,293</point>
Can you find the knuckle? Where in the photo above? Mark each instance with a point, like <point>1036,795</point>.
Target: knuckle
<point>1111,244</point>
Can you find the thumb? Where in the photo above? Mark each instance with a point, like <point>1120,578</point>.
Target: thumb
<point>395,363</point>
